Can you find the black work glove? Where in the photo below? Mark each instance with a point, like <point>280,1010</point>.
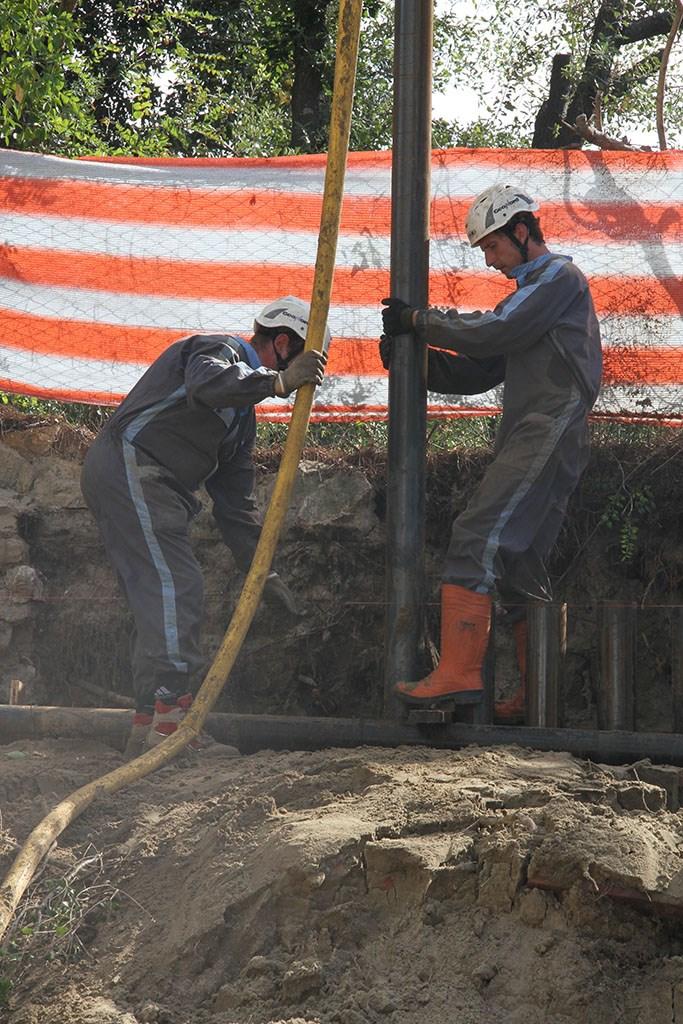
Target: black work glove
<point>385,346</point>
<point>307,368</point>
<point>277,594</point>
<point>397,318</point>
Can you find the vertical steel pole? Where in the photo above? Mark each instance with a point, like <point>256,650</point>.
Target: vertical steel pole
<point>410,185</point>
<point>616,703</point>
<point>546,648</point>
<point>677,667</point>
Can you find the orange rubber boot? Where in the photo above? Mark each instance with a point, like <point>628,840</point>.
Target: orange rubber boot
<point>513,710</point>
<point>465,625</point>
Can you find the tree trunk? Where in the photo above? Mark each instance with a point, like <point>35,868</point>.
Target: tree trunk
<point>565,102</point>
<point>554,109</point>
<point>309,106</point>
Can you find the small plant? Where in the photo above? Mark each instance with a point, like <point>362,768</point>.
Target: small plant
<point>5,990</point>
<point>75,413</point>
<point>627,511</point>
<point>56,918</point>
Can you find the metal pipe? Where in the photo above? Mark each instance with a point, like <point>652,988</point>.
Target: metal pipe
<point>546,647</point>
<point>677,668</point>
<point>616,702</point>
<point>271,732</point>
<point>410,194</point>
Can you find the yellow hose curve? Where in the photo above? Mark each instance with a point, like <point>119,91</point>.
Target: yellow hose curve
<point>44,834</point>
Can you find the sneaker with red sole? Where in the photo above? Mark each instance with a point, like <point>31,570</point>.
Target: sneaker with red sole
<point>169,711</point>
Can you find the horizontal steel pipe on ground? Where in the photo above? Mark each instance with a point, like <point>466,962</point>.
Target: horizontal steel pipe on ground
<point>271,732</point>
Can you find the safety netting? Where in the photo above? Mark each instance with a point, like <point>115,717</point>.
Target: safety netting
<point>104,262</point>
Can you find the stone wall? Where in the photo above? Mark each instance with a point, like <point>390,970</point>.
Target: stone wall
<point>64,626</point>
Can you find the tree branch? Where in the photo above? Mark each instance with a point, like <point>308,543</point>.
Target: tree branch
<point>640,72</point>
<point>675,25</point>
<point>584,130</point>
<point>646,28</point>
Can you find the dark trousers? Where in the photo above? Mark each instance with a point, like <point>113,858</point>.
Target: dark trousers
<point>509,527</point>
<point>144,518</point>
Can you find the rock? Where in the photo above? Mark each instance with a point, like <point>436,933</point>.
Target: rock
<point>479,922</point>
<point>23,584</point>
<point>482,975</point>
<point>303,979</point>
<point>13,551</point>
<point>57,484</point>
<point>153,1013</point>
<point>260,965</point>
<point>5,635</point>
<point>639,796</point>
<point>324,497</point>
<point>11,612</point>
<point>501,876</point>
<point>433,913</point>
<point>381,1002</point>
<point>35,440</point>
<point>16,472</point>
<point>666,776</point>
<point>532,907</point>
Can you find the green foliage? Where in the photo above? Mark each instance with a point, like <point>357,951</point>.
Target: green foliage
<point>202,77</point>
<point>56,918</point>
<point>47,86</point>
<point>479,133</point>
<point>627,512</point>
<point>513,45</point>
<point>218,77</point>
<point>364,436</point>
<point>75,413</point>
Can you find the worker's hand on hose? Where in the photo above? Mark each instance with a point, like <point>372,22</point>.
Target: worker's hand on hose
<point>385,345</point>
<point>278,595</point>
<point>307,368</point>
<point>397,317</point>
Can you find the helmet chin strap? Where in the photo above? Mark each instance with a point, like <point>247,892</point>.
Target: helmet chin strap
<point>282,364</point>
<point>522,246</point>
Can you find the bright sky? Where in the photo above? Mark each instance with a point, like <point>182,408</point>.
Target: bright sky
<point>468,104</point>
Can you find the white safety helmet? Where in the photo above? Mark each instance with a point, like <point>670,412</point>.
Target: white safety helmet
<point>493,208</point>
<point>289,312</point>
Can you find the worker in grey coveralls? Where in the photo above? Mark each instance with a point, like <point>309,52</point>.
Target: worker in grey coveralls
<point>188,421</point>
<point>543,342</point>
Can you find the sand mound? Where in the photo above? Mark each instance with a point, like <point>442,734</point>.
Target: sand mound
<point>484,886</point>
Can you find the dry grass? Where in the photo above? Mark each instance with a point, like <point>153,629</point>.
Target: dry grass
<point>57,918</point>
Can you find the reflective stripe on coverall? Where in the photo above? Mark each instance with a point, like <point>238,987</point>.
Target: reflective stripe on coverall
<point>189,420</point>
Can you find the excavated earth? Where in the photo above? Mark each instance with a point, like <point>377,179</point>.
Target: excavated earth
<point>484,886</point>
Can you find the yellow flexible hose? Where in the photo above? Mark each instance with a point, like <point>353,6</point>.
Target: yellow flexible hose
<point>44,834</point>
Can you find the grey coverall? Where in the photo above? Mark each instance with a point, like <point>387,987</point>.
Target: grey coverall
<point>543,341</point>
<point>189,420</point>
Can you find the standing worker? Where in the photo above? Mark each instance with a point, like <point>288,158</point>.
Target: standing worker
<point>188,421</point>
<point>543,342</point>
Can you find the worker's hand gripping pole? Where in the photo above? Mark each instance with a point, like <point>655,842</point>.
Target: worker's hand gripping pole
<point>43,835</point>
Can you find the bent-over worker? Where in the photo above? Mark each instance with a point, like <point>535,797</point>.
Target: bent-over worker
<point>188,421</point>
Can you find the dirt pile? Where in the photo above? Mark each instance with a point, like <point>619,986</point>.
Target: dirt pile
<point>487,886</point>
